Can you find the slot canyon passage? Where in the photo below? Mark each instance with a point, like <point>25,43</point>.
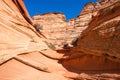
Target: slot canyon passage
<point>47,47</point>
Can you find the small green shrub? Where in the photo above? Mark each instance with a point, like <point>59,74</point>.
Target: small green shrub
<point>50,45</point>
<point>66,46</point>
<point>38,27</point>
<point>74,42</point>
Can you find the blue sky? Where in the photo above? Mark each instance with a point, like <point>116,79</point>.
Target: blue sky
<point>71,8</point>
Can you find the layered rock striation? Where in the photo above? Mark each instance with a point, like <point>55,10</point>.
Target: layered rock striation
<point>98,45</point>
<point>27,54</point>
<point>103,32</point>
<point>61,32</point>
<point>55,28</point>
<point>50,24</point>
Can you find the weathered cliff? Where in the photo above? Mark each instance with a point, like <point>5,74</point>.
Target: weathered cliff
<point>17,35</point>
<point>98,45</point>
<point>61,32</point>
<point>52,23</point>
<point>23,51</point>
<point>56,29</point>
<point>103,33</point>
<point>27,54</point>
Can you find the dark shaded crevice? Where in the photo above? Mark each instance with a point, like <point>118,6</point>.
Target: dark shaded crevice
<point>23,12</point>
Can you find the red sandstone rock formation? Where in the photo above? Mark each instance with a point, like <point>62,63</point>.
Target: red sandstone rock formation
<point>98,47</point>
<point>50,24</point>
<point>56,29</point>
<point>54,25</point>
<point>25,54</point>
<point>17,35</point>
<point>103,33</point>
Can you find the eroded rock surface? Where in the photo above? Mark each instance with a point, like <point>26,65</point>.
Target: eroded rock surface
<point>27,54</point>
<point>61,32</point>
<point>98,44</point>
<point>103,33</point>
<point>17,35</point>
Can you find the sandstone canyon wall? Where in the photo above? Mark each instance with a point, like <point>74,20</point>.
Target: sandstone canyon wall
<point>23,53</point>
<point>61,32</point>
<point>27,54</point>
<point>103,32</point>
<point>16,31</point>
<point>98,43</point>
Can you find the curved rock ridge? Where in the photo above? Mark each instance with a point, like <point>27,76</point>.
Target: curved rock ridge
<point>27,54</point>
<point>24,55</point>
<point>17,35</point>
